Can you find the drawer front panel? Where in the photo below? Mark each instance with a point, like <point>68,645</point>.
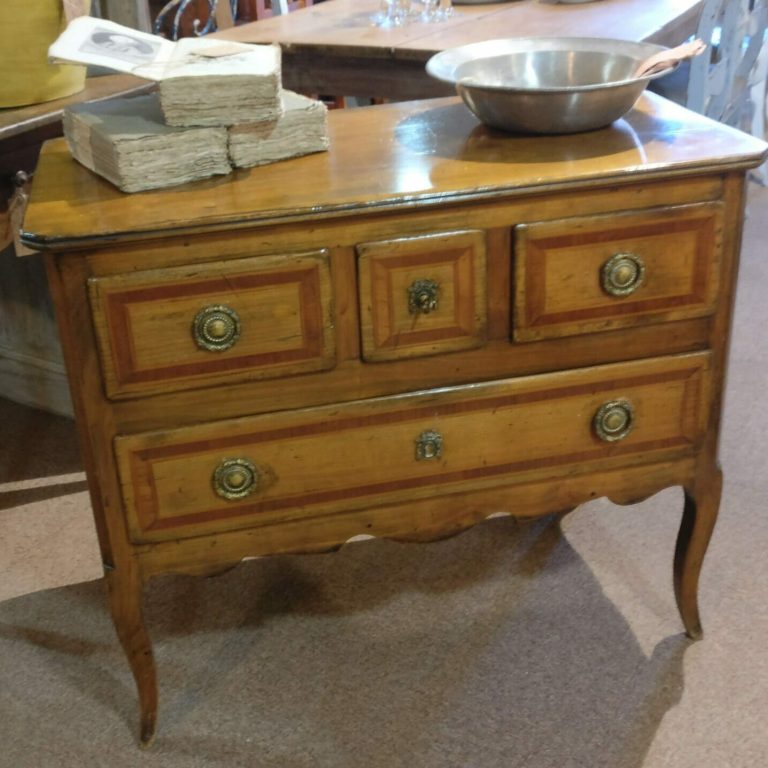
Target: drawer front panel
<point>327,460</point>
<point>602,272</point>
<point>422,295</point>
<point>182,328</point>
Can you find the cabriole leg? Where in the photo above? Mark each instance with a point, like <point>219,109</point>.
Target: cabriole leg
<point>702,501</point>
<point>124,588</point>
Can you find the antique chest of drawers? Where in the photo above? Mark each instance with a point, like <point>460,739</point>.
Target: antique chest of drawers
<point>430,323</point>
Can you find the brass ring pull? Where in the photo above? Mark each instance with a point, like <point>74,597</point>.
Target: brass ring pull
<point>235,479</point>
<point>216,328</point>
<point>429,445</point>
<point>422,297</point>
<point>622,274</point>
<point>614,420</point>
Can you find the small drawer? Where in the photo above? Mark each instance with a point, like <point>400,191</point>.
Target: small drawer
<point>604,272</point>
<point>286,466</point>
<point>422,295</point>
<point>186,327</point>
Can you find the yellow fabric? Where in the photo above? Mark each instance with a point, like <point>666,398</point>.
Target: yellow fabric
<point>27,28</point>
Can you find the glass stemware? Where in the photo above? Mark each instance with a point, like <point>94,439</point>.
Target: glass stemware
<point>444,9</point>
<point>397,13</point>
<point>392,13</point>
<point>434,10</point>
<point>429,10</point>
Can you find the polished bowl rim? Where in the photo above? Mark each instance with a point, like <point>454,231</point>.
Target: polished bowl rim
<point>443,65</point>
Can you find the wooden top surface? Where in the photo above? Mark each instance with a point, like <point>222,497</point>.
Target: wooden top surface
<point>19,120</point>
<point>344,26</point>
<point>383,157</point>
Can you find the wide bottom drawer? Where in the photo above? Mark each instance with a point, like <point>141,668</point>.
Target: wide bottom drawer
<point>319,461</point>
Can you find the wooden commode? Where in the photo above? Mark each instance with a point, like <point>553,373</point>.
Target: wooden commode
<point>430,323</point>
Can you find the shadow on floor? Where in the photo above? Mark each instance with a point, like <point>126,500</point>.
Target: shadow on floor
<point>494,648</point>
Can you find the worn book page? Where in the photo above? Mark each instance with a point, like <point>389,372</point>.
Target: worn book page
<point>126,141</point>
<point>87,40</point>
<point>201,57</point>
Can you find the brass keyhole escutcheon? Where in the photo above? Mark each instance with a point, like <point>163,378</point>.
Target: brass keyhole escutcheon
<point>429,445</point>
<point>622,274</point>
<point>614,420</point>
<point>216,328</point>
<point>235,479</point>
<point>422,297</point>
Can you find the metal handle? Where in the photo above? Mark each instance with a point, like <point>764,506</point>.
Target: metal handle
<point>429,445</point>
<point>614,420</point>
<point>235,479</point>
<point>422,297</point>
<point>216,328</point>
<point>622,274</point>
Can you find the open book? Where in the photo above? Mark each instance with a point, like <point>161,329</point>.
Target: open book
<point>219,105</point>
<point>87,40</point>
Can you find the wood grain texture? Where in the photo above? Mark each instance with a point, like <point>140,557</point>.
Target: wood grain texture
<point>333,47</point>
<point>421,520</point>
<point>558,270</point>
<point>335,451</point>
<point>144,322</point>
<point>124,590</point>
<point>344,25</point>
<point>490,432</point>
<point>431,154</point>
<point>702,503</point>
<point>355,379</point>
<point>703,491</point>
<point>500,212</point>
<point>389,270</point>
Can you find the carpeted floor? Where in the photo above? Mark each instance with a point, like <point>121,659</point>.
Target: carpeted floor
<point>541,645</point>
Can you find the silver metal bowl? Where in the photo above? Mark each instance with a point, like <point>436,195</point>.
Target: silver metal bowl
<point>546,84</point>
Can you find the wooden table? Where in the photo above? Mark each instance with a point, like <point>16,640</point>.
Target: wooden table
<point>446,323</point>
<point>333,48</point>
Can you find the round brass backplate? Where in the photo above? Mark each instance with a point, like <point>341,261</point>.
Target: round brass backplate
<point>235,478</point>
<point>216,328</point>
<point>622,274</point>
<point>614,420</point>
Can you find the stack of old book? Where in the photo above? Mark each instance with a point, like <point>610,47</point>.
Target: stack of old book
<point>218,107</point>
<point>207,82</point>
